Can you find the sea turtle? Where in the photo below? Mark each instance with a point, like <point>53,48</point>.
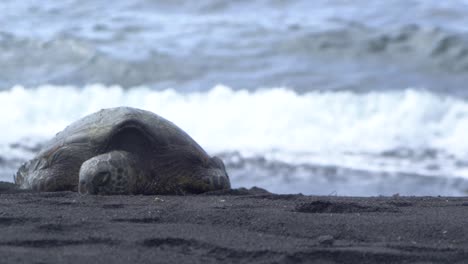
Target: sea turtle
<point>123,150</point>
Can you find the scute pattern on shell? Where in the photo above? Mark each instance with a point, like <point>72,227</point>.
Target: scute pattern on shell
<point>171,154</point>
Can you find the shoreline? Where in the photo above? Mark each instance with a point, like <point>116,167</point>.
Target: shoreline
<point>239,225</point>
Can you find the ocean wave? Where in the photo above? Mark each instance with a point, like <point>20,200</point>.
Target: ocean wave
<point>295,55</point>
<point>316,179</point>
<point>440,48</point>
<point>400,128</point>
<point>70,60</point>
<point>352,143</point>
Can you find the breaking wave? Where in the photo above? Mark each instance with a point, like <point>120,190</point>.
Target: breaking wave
<point>410,131</point>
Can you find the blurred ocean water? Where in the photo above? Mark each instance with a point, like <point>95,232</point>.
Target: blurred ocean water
<point>318,97</point>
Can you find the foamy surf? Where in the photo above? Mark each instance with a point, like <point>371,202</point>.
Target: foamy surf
<point>398,132</point>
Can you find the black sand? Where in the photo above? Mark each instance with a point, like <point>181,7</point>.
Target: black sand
<point>237,226</point>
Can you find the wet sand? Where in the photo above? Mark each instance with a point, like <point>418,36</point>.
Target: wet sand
<point>237,226</point>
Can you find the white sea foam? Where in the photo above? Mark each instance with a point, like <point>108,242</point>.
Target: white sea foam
<point>327,128</point>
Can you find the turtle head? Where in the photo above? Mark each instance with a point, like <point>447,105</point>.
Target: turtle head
<point>110,173</point>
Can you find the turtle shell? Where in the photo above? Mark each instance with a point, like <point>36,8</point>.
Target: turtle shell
<point>57,165</point>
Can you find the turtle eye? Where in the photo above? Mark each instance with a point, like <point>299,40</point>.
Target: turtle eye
<point>101,178</point>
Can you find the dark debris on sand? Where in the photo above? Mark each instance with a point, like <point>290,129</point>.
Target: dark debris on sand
<point>237,226</point>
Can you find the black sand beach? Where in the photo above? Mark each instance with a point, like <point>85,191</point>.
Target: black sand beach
<point>238,226</point>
